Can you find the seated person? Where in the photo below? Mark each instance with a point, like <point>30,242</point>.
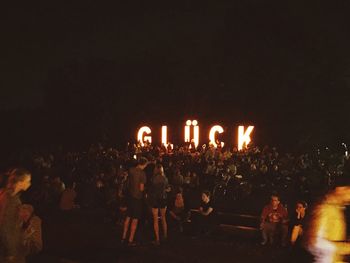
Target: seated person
<point>297,221</point>
<point>32,237</point>
<point>204,218</point>
<point>178,213</point>
<point>274,219</point>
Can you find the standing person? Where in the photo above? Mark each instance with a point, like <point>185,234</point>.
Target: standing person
<point>274,219</point>
<point>10,223</point>
<point>325,237</point>
<point>136,188</point>
<point>158,200</point>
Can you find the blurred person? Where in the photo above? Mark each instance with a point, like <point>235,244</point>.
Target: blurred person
<point>157,196</point>
<point>122,196</point>
<point>31,227</point>
<point>274,219</point>
<point>67,201</point>
<point>187,178</point>
<point>177,180</point>
<point>10,229</point>
<point>136,188</point>
<point>297,221</point>
<point>326,237</point>
<point>57,188</point>
<point>194,181</point>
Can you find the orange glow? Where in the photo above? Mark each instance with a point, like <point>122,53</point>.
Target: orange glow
<point>165,136</point>
<point>215,129</point>
<point>187,131</point>
<point>195,132</point>
<point>141,137</point>
<point>244,136</point>
<point>194,123</point>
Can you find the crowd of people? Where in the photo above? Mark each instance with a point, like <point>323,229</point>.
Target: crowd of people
<point>174,186</point>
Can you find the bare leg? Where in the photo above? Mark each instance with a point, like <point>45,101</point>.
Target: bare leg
<point>155,223</point>
<point>126,227</point>
<point>133,228</point>
<point>164,223</point>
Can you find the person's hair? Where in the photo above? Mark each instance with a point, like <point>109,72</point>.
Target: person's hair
<point>303,203</point>
<point>179,191</point>
<point>207,193</point>
<point>27,207</point>
<point>276,195</point>
<point>158,169</point>
<point>14,176</point>
<point>142,161</point>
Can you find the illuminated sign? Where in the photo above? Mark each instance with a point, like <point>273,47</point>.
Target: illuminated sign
<point>195,139</point>
<point>244,136</point>
<point>144,135</point>
<point>213,131</point>
<point>141,135</point>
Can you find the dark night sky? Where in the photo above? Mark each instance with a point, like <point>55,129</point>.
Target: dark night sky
<point>264,61</point>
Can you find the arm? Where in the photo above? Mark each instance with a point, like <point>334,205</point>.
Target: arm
<point>210,209</point>
<point>173,215</point>
<point>263,217</point>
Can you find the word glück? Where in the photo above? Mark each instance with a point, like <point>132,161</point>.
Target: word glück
<point>144,135</point>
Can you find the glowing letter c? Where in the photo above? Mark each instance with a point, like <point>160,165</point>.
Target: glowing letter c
<point>215,129</point>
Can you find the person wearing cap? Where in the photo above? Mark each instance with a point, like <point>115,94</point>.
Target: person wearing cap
<point>325,237</point>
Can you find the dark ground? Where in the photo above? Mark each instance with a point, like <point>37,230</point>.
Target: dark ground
<point>87,237</point>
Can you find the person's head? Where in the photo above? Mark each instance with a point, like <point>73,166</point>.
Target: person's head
<point>142,163</point>
<point>25,212</point>
<point>275,200</point>
<point>275,167</point>
<point>264,169</point>
<point>233,169</point>
<point>179,196</point>
<point>19,179</point>
<point>158,170</point>
<point>300,206</point>
<point>56,179</point>
<point>253,167</point>
<point>206,196</point>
